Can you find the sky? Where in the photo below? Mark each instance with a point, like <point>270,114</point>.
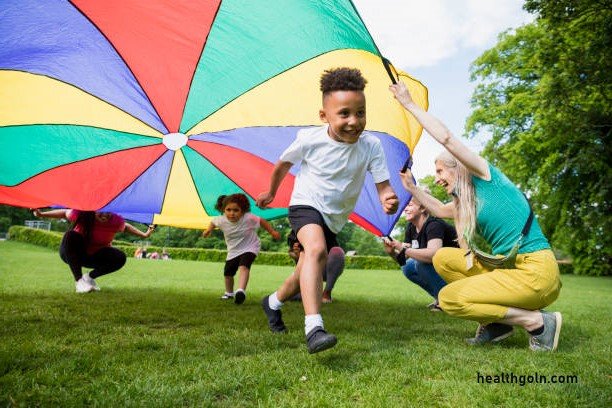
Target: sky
<point>435,41</point>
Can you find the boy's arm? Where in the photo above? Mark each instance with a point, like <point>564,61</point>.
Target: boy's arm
<point>280,171</point>
<point>387,196</point>
<point>266,225</point>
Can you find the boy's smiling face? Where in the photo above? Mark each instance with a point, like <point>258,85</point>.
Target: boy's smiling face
<point>345,112</point>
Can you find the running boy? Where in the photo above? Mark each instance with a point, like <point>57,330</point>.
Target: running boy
<point>239,228</point>
<point>334,160</point>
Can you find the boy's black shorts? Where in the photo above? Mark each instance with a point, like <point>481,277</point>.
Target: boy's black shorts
<point>231,265</point>
<point>300,215</point>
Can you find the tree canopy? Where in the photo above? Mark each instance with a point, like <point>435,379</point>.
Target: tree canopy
<point>543,94</point>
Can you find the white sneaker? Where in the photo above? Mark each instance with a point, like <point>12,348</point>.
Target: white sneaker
<point>83,287</point>
<point>91,281</point>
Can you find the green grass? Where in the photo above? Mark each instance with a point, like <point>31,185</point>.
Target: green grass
<point>157,335</point>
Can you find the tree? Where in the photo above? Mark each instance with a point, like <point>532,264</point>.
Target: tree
<point>544,94</point>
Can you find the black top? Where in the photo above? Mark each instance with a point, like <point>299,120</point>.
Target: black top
<point>432,229</point>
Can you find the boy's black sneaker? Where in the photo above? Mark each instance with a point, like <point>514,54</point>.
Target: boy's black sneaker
<point>318,340</point>
<point>275,317</point>
<point>239,297</point>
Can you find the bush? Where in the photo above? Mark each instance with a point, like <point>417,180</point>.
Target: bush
<point>51,239</point>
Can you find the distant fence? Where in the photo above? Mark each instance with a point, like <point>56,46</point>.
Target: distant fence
<point>44,225</point>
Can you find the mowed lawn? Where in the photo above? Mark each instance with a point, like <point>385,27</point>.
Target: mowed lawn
<point>157,335</point>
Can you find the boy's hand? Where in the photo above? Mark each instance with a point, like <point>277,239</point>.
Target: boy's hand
<point>389,202</point>
<point>275,235</point>
<point>264,199</point>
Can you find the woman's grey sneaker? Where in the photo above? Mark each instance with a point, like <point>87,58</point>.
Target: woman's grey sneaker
<point>549,339</point>
<point>318,340</point>
<point>490,333</point>
<point>275,317</point>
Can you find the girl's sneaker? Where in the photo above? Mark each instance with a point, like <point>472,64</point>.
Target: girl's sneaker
<point>227,296</point>
<point>83,287</point>
<point>91,281</point>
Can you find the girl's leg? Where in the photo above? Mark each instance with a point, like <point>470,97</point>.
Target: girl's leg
<point>243,277</point>
<point>229,271</point>
<point>73,252</point>
<point>229,284</point>
<point>105,261</point>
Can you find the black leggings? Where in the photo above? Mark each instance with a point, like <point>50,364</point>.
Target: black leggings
<point>74,253</point>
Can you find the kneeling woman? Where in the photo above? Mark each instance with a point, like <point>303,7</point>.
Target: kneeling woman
<point>88,244</point>
<point>485,200</point>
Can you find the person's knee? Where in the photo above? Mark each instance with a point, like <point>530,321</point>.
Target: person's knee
<point>336,253</point>
<point>451,301</point>
<point>121,260</point>
<point>335,260</point>
<point>317,252</point>
<point>409,270</point>
<point>441,260</point>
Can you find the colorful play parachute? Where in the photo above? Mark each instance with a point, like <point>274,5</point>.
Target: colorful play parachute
<point>154,108</point>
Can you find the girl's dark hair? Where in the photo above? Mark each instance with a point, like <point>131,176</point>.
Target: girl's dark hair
<point>342,79</point>
<point>219,205</point>
<point>85,220</point>
<point>239,199</point>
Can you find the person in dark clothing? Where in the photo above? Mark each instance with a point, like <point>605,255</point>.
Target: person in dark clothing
<point>424,235</point>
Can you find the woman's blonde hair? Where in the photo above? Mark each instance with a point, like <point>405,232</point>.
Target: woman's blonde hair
<point>463,197</point>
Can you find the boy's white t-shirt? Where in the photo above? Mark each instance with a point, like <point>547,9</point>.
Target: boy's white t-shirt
<point>240,236</point>
<point>332,173</point>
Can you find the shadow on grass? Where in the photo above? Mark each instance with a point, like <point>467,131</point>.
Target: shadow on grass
<point>154,320</point>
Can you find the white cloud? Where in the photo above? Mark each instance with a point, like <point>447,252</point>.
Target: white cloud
<point>421,33</point>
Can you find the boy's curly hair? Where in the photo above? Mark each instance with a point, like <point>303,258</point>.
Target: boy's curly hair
<point>239,199</point>
<point>342,79</point>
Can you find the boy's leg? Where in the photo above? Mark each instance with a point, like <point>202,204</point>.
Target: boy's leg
<point>291,285</point>
<point>272,304</point>
<point>312,238</point>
